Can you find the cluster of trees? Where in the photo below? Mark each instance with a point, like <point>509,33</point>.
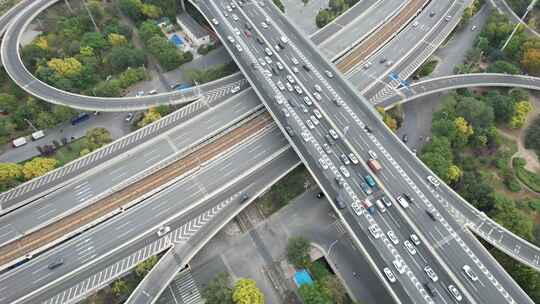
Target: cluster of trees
<point>244,291</point>
<point>327,288</point>
<point>334,9</point>
<point>22,109</point>
<point>468,121</point>
<point>73,56</point>
<point>532,136</point>
<point>212,73</point>
<point>463,129</point>
<point>12,174</point>
<point>166,53</point>
<point>153,114</point>
<point>521,53</point>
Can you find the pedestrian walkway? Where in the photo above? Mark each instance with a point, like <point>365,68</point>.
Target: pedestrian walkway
<point>185,290</point>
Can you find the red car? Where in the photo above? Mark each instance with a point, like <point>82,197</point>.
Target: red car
<point>248,33</point>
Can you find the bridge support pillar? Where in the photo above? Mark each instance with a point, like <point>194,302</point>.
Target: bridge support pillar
<point>183,5</point>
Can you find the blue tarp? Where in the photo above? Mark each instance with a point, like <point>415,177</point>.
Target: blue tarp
<point>177,40</point>
<point>302,277</point>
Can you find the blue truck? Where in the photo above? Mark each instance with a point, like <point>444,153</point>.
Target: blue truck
<point>80,118</point>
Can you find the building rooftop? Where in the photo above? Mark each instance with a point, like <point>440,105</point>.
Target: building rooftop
<point>196,29</point>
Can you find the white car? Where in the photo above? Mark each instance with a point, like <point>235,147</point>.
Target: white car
<point>231,39</point>
<point>372,154</point>
<point>298,89</point>
<point>389,275</point>
<point>308,101</point>
<point>284,39</point>
<point>344,171</point>
<point>239,48</point>
<point>289,87</point>
<point>314,120</point>
<point>433,180</point>
<point>163,230</point>
<point>318,88</point>
<point>392,236</point>
<point>353,158</point>
<point>233,5</point>
<point>229,8</point>
<point>329,74</point>
<point>409,246</point>
<point>317,113</point>
<point>267,59</point>
<point>367,65</point>
<point>214,21</point>
<point>268,52</point>
<point>236,31</point>
<point>264,25</point>
<point>262,62</point>
<point>323,163</point>
<point>285,112</point>
<point>415,239</point>
<point>455,293</point>
<point>400,267</point>
<point>333,134</point>
<point>139,94</point>
<point>280,85</point>
<point>326,148</point>
<point>357,209</point>
<point>310,124</point>
<point>470,273</point>
<point>295,70</point>
<point>431,274</point>
<point>290,79</point>
<point>294,60</point>
<point>234,17</point>
<point>235,89</point>
<point>279,65</point>
<point>375,232</point>
<point>317,96</point>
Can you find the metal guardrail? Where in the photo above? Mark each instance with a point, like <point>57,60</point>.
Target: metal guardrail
<point>43,185</point>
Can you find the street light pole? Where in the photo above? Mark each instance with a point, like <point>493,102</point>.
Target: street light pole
<point>529,8</point>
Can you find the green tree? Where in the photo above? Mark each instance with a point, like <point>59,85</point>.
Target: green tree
<point>149,29</point>
<point>7,127</point>
<point>314,294</point>
<point>333,284</point>
<point>246,292</point>
<point>10,175</point>
<point>68,67</point>
<point>107,88</point>
<point>151,11</point>
<point>120,288</point>
<point>218,290</point>
<point>144,267</point>
<point>63,113</point>
<point>324,17</point>
<point>476,112</point>
<point>506,214</point>
<point>454,173</point>
<point>532,136</point>
<point>96,138</point>
<point>149,117</point>
<point>522,110</point>
<point>8,103</point>
<point>37,167</point>
<point>116,39</point>
<point>45,120</point>
<point>503,106</point>
<point>122,57</point>
<point>94,40</point>
<point>132,8</point>
<point>279,5</point>
<point>298,252</point>
<point>503,67</point>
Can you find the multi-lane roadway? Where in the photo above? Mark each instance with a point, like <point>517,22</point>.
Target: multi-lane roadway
<point>409,178</point>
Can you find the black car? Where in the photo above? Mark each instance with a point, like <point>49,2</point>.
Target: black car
<point>320,195</point>
<point>289,131</point>
<point>248,26</point>
<point>382,60</point>
<point>306,68</point>
<point>259,40</point>
<point>280,45</point>
<point>56,263</point>
<point>339,203</point>
<point>432,14</point>
<point>431,289</point>
<point>244,198</point>
<point>408,197</point>
<point>368,129</point>
<point>431,215</point>
<point>405,138</point>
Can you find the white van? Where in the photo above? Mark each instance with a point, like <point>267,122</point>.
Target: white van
<point>380,205</point>
<point>38,134</point>
<point>402,201</point>
<point>21,141</point>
